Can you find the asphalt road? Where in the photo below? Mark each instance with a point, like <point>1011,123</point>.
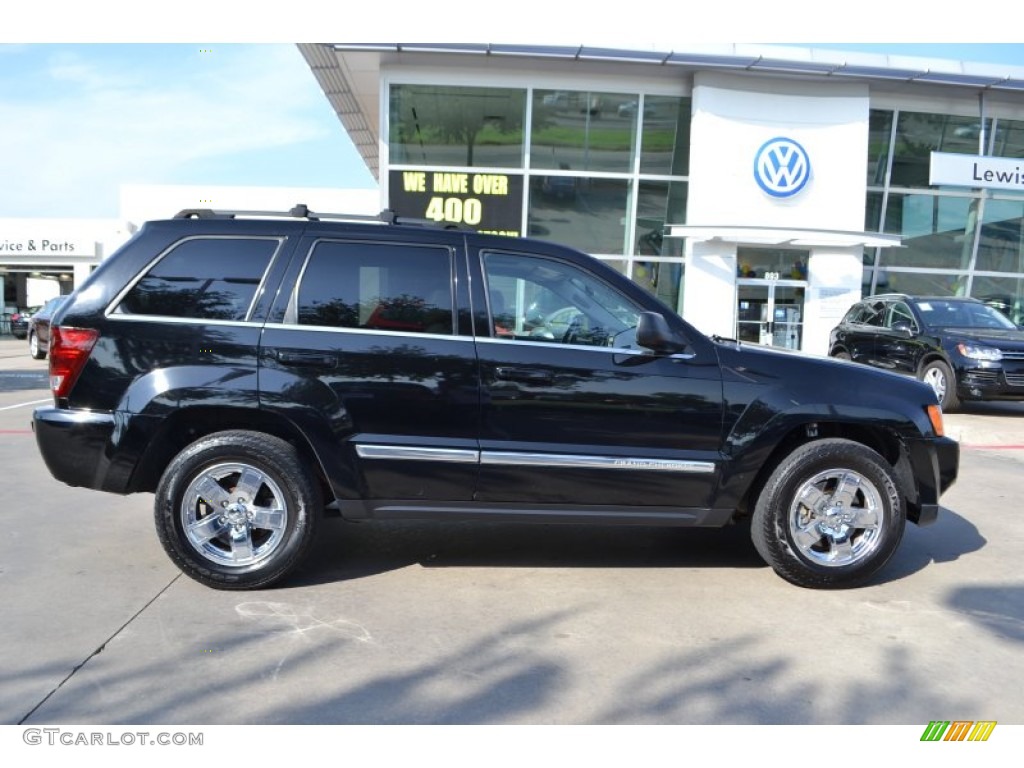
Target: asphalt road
<point>503,624</point>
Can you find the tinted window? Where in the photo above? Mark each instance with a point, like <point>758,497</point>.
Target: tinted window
<point>203,278</point>
<point>962,314</point>
<point>377,287</point>
<point>536,299</point>
<point>900,316</point>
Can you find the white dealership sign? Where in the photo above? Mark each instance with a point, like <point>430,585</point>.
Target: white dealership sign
<point>976,171</point>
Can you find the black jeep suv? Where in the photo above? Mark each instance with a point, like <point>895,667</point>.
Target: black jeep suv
<point>254,371</point>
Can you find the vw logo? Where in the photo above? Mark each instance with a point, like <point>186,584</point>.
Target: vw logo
<point>781,167</point>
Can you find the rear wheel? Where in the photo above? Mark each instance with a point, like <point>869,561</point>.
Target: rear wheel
<point>33,347</point>
<point>237,510</point>
<point>829,516</point>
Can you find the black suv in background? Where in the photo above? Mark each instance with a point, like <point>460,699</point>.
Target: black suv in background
<point>963,348</point>
<point>256,371</point>
<point>38,328</point>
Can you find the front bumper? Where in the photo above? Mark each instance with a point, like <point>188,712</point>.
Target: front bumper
<point>935,464</point>
<point>999,381</point>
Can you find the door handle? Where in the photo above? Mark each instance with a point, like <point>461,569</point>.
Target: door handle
<point>316,359</point>
<point>524,375</point>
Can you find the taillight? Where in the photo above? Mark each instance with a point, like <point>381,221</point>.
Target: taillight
<point>69,349</point>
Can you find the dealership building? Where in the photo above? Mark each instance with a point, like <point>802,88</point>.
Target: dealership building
<point>759,190</point>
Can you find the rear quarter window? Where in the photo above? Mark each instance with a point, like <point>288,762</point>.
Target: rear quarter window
<point>203,279</point>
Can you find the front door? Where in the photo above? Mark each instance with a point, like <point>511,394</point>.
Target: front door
<point>770,311</point>
<point>572,411</point>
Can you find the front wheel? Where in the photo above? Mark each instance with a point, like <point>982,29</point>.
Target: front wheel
<point>830,515</point>
<point>939,376</point>
<point>237,510</point>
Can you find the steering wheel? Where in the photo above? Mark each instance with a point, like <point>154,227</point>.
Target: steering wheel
<point>573,331</point>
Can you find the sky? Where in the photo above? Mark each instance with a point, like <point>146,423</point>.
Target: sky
<point>83,111</point>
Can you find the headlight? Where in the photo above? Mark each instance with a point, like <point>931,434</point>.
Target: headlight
<point>975,352</point>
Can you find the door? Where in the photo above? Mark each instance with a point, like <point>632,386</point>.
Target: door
<point>572,411</point>
<point>368,364</point>
<point>897,343</point>
<point>770,311</point>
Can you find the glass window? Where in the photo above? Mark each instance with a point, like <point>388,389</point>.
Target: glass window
<point>1003,293</point>
<point>783,263</point>
<point>539,299</point>
<point>583,131</point>
<point>900,316</point>
<point>923,283</point>
<point>663,279</point>
<point>377,287</point>
<point>456,126</point>
<point>203,279</point>
<point>918,134</point>
<point>1009,139</point>
<point>659,203</point>
<point>585,213</point>
<point>879,134</point>
<point>933,228</point>
<point>873,212</point>
<point>962,314</point>
<point>665,139</point>
<point>1000,248</point>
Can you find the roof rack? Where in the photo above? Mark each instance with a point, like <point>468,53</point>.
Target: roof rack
<point>302,211</point>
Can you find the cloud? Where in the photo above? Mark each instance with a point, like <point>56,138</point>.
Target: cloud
<point>80,121</point>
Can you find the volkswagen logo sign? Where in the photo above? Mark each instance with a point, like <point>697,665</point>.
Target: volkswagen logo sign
<point>781,167</point>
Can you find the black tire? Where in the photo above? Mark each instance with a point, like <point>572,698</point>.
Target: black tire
<point>941,379</point>
<point>842,355</point>
<point>33,347</point>
<point>828,546</point>
<point>237,510</point>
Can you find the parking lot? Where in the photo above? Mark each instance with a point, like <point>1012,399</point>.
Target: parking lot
<point>504,624</point>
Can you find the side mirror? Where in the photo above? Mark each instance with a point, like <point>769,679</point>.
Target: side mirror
<point>903,327</point>
<point>652,332</point>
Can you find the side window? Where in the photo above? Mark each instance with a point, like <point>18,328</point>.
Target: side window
<point>202,279</point>
<point>383,287</point>
<point>539,299</point>
<point>900,317</point>
<point>866,314</point>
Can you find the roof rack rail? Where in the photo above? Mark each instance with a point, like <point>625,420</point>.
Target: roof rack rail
<point>302,211</point>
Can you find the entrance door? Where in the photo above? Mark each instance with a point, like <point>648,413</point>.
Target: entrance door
<point>770,312</point>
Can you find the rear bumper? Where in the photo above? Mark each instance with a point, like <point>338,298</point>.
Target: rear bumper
<point>74,444</point>
<point>935,463</point>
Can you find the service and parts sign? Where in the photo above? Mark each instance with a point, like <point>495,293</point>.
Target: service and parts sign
<point>488,202</point>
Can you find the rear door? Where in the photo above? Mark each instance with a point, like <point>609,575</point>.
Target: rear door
<point>367,360</point>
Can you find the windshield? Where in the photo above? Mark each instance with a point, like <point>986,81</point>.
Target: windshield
<point>962,314</point>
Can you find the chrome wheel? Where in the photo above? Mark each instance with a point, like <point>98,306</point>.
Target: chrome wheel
<point>234,514</point>
<point>836,518</point>
<point>830,515</point>
<point>935,377</point>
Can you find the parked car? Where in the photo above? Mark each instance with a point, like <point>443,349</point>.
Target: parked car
<point>19,322</point>
<point>964,348</point>
<point>38,330</point>
<point>255,372</point>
